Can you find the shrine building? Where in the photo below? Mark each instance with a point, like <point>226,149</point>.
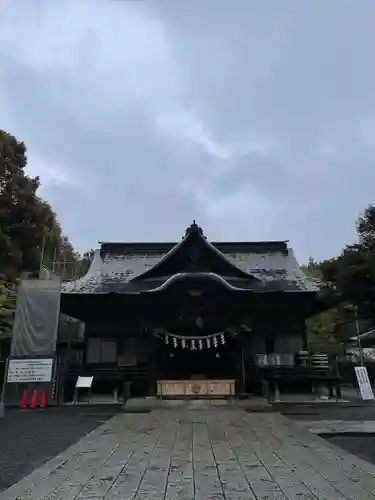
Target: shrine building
<point>163,315</point>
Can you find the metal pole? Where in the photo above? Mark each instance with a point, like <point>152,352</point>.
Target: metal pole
<point>360,350</point>
<point>42,255</point>
<point>66,362</point>
<point>54,260</point>
<point>2,399</point>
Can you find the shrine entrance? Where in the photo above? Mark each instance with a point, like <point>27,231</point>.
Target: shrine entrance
<point>197,324</point>
<point>178,363</point>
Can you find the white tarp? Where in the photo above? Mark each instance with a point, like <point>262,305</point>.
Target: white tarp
<point>36,319</point>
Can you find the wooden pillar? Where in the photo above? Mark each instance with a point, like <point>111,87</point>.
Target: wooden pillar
<point>270,343</point>
<point>330,389</point>
<point>304,336</point>
<point>276,391</point>
<point>153,365</point>
<point>243,365</point>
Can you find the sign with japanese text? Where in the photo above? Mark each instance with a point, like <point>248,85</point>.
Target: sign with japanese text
<point>84,382</point>
<point>363,382</point>
<point>29,370</point>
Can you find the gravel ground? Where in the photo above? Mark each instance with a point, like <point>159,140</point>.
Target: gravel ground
<point>362,446</point>
<point>29,438</point>
<point>328,411</point>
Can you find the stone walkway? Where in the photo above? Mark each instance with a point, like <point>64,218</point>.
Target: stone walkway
<point>203,455</point>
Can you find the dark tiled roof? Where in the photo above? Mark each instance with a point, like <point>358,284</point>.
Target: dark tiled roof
<point>116,264</point>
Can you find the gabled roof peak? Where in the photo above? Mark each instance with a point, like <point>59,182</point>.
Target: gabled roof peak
<point>194,229</point>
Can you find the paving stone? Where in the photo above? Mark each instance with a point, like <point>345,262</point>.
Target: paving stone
<point>200,454</point>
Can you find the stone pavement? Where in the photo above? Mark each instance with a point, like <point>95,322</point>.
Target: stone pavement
<point>201,454</point>
<point>147,404</point>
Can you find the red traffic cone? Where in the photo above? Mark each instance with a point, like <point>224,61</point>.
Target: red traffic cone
<point>43,403</point>
<point>24,399</point>
<point>34,399</point>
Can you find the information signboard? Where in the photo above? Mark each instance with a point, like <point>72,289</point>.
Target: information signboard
<point>29,370</point>
<point>84,382</point>
<point>363,382</point>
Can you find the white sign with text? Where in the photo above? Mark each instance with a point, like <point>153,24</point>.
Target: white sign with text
<point>84,382</point>
<point>29,370</point>
<point>364,382</point>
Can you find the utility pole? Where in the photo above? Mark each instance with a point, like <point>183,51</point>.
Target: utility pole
<point>41,260</point>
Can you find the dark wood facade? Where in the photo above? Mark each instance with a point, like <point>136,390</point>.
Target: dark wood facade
<point>175,311</point>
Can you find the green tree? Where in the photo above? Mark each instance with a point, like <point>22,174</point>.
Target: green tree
<point>7,307</point>
<point>353,271</point>
<point>312,269</point>
<point>321,328</point>
<point>365,226</point>
<point>353,274</point>
<point>67,260</point>
<point>321,331</point>
<point>30,233</point>
<point>25,219</point>
<point>86,261</point>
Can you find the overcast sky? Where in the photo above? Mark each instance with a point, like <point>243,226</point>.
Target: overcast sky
<point>256,118</point>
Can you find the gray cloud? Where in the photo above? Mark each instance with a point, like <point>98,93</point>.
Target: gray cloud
<point>255,118</point>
